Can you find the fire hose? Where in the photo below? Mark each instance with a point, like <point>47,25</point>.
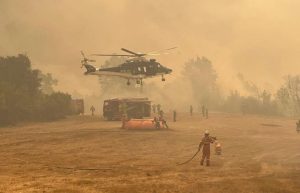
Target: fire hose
<point>189,159</point>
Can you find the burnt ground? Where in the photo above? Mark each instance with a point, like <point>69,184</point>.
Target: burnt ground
<point>86,154</point>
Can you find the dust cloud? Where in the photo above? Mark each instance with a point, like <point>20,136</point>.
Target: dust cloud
<point>258,39</point>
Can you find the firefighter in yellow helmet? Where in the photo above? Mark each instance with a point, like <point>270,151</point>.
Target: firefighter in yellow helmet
<point>205,144</point>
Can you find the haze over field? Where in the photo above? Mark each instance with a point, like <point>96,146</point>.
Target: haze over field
<point>233,96</point>
<point>256,38</point>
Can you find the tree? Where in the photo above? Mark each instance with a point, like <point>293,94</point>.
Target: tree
<point>21,98</point>
<point>233,103</point>
<point>54,106</point>
<point>289,95</point>
<point>47,83</point>
<point>19,87</point>
<point>202,78</point>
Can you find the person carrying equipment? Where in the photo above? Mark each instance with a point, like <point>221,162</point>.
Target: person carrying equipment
<point>205,144</point>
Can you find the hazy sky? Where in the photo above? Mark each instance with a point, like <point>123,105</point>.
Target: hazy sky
<point>258,38</point>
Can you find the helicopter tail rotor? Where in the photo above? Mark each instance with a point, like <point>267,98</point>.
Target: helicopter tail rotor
<point>85,60</point>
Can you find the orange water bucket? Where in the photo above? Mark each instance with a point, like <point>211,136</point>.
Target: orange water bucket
<point>140,124</point>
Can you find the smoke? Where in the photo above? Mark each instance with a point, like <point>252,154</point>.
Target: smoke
<point>250,87</point>
<point>256,38</point>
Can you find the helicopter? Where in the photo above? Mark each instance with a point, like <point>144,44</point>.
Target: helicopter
<point>136,67</point>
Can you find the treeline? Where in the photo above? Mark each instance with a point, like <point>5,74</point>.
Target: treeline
<point>21,93</point>
<point>285,101</point>
<point>264,105</point>
<point>202,77</point>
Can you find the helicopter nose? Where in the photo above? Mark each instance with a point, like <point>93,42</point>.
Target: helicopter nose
<point>169,71</point>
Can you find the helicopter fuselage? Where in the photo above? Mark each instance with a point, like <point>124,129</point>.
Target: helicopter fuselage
<point>131,69</point>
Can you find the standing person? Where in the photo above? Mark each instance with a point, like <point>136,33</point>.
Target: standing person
<point>206,113</point>
<point>92,109</point>
<point>298,127</point>
<point>156,123</point>
<point>205,143</point>
<point>163,122</point>
<point>124,120</point>
<point>203,111</point>
<point>174,115</point>
<point>191,110</point>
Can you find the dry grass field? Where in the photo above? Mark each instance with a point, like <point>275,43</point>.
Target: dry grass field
<point>86,154</point>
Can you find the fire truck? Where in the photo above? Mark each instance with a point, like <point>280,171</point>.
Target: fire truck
<point>137,108</point>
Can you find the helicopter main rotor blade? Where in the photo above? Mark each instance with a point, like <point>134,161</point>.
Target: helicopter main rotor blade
<point>158,54</point>
<point>134,54</point>
<point>158,51</point>
<point>113,55</point>
<point>131,52</point>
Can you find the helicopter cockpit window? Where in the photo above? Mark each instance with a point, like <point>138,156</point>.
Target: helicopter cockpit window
<point>158,65</point>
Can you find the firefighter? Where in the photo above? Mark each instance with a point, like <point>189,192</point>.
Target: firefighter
<point>92,109</point>
<point>205,143</point>
<point>163,122</point>
<point>191,110</point>
<point>124,120</point>
<point>203,111</point>
<point>174,115</point>
<point>298,127</point>
<point>206,113</point>
<point>156,123</point>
